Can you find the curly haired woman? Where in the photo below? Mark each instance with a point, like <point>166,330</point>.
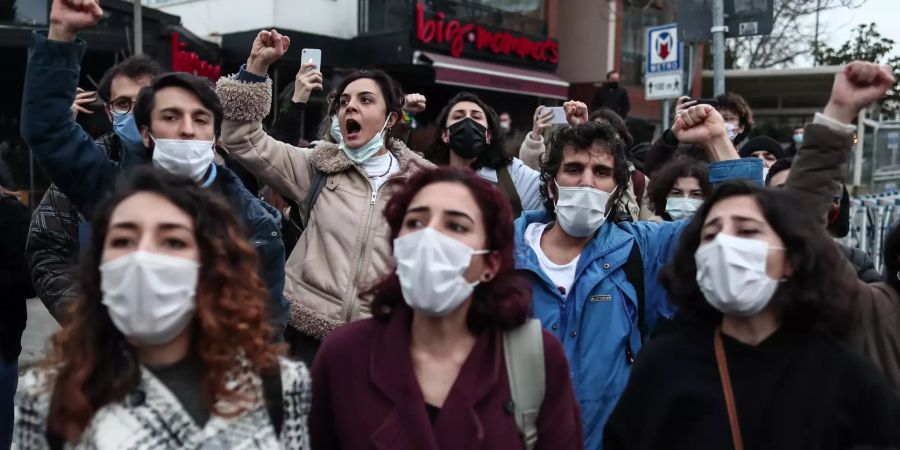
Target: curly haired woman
<point>168,345</point>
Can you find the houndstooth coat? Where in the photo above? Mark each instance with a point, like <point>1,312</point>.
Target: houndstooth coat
<point>150,418</point>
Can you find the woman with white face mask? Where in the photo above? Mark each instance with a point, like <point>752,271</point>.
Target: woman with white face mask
<point>758,356</point>
<point>450,359</point>
<point>679,188</point>
<point>339,186</point>
<point>168,345</point>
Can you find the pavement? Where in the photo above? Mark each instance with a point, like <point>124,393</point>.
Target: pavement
<point>40,326</point>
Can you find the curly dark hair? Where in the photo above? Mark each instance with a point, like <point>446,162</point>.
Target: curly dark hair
<point>609,116</point>
<point>439,152</point>
<point>810,300</point>
<point>582,138</point>
<point>736,103</point>
<point>664,179</point>
<point>503,303</point>
<point>94,364</point>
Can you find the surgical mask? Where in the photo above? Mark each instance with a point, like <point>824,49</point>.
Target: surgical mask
<point>504,125</point>
<point>798,138</point>
<point>581,211</point>
<point>731,273</point>
<point>765,172</point>
<point>468,138</point>
<point>150,297</point>
<point>430,266</point>
<point>183,157</point>
<point>731,130</point>
<point>365,151</point>
<point>336,130</point>
<point>127,130</point>
<point>682,207</point>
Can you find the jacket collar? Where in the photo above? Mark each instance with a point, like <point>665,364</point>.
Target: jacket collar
<point>392,372</point>
<point>328,158</point>
<point>609,238</point>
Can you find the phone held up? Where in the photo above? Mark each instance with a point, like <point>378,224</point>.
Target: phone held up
<point>312,56</point>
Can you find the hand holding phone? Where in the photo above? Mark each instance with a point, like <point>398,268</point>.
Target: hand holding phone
<point>312,56</point>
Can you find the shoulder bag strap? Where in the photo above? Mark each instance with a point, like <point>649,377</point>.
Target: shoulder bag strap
<point>508,187</point>
<point>523,351</point>
<point>726,388</point>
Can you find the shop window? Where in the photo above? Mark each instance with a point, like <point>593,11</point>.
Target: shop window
<point>25,12</point>
<point>635,21</point>
<point>386,16</point>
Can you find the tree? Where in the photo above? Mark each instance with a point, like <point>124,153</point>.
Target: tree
<point>793,32</point>
<point>867,44</point>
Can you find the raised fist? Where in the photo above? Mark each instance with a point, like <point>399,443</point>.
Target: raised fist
<point>859,84</point>
<point>267,48</point>
<point>68,17</point>
<point>576,112</point>
<point>699,125</point>
<point>415,103</point>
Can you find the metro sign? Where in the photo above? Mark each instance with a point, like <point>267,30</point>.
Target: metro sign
<point>663,49</point>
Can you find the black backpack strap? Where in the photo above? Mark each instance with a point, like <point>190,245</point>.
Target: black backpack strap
<point>508,187</point>
<point>634,272</point>
<point>274,397</point>
<point>300,213</point>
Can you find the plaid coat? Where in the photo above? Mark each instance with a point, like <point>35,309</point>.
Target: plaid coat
<point>150,417</point>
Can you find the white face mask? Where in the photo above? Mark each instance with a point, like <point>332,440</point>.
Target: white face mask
<point>150,297</point>
<point>430,266</point>
<point>581,211</point>
<point>731,273</point>
<point>682,207</point>
<point>731,130</point>
<point>182,157</point>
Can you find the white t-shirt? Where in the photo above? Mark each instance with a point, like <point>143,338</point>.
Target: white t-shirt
<point>562,275</point>
<point>380,169</point>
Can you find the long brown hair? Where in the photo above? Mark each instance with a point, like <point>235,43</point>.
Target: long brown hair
<point>93,364</point>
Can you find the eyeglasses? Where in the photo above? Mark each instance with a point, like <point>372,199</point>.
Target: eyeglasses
<point>121,105</point>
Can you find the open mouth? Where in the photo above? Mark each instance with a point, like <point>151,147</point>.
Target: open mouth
<point>352,127</point>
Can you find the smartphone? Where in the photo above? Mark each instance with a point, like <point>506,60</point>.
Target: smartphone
<point>312,55</point>
<point>559,115</point>
<point>707,101</point>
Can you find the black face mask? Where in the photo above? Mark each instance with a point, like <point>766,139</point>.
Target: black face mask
<point>468,138</point>
<point>612,84</point>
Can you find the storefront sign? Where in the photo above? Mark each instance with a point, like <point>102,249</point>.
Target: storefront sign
<point>460,38</point>
<point>184,60</point>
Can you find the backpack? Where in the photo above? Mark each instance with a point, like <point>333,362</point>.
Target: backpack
<point>523,351</point>
<point>299,214</point>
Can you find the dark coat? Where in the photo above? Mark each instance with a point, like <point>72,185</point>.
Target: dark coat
<point>85,175</point>
<point>14,281</point>
<point>365,395</point>
<point>614,99</point>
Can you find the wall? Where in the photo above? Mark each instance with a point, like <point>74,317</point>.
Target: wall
<point>335,18</point>
<point>584,36</point>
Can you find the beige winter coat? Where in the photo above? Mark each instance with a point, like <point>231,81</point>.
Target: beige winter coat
<point>345,248</point>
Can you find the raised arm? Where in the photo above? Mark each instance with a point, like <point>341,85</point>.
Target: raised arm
<point>247,99</point>
<point>64,150</point>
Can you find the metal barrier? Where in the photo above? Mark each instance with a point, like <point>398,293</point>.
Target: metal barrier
<point>872,217</point>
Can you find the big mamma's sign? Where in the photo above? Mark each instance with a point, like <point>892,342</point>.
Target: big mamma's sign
<point>434,29</point>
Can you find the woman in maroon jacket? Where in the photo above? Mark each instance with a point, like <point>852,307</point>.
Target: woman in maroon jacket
<point>428,370</point>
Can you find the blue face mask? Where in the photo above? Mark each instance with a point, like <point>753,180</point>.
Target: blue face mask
<point>336,130</point>
<point>133,152</point>
<point>365,151</point>
<point>798,138</point>
<point>126,129</point>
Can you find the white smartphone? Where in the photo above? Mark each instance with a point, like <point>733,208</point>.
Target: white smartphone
<point>559,115</point>
<point>312,55</point>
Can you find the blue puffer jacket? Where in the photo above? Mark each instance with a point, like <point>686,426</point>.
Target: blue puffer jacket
<point>83,173</point>
<point>597,321</point>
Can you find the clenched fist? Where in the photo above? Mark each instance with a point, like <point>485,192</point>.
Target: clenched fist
<point>68,17</point>
<point>267,48</point>
<point>859,84</point>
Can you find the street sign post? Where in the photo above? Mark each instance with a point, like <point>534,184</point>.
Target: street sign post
<point>664,79</point>
<point>662,87</point>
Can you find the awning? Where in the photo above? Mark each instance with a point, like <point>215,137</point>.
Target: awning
<point>493,77</point>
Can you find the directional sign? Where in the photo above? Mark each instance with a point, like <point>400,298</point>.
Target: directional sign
<point>663,49</point>
<point>663,86</point>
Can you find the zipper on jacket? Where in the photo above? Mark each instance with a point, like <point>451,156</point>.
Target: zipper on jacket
<point>351,302</point>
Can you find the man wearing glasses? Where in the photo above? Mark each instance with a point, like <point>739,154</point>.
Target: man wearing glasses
<point>57,227</point>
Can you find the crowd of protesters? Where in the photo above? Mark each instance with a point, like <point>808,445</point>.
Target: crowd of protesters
<point>575,286</point>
